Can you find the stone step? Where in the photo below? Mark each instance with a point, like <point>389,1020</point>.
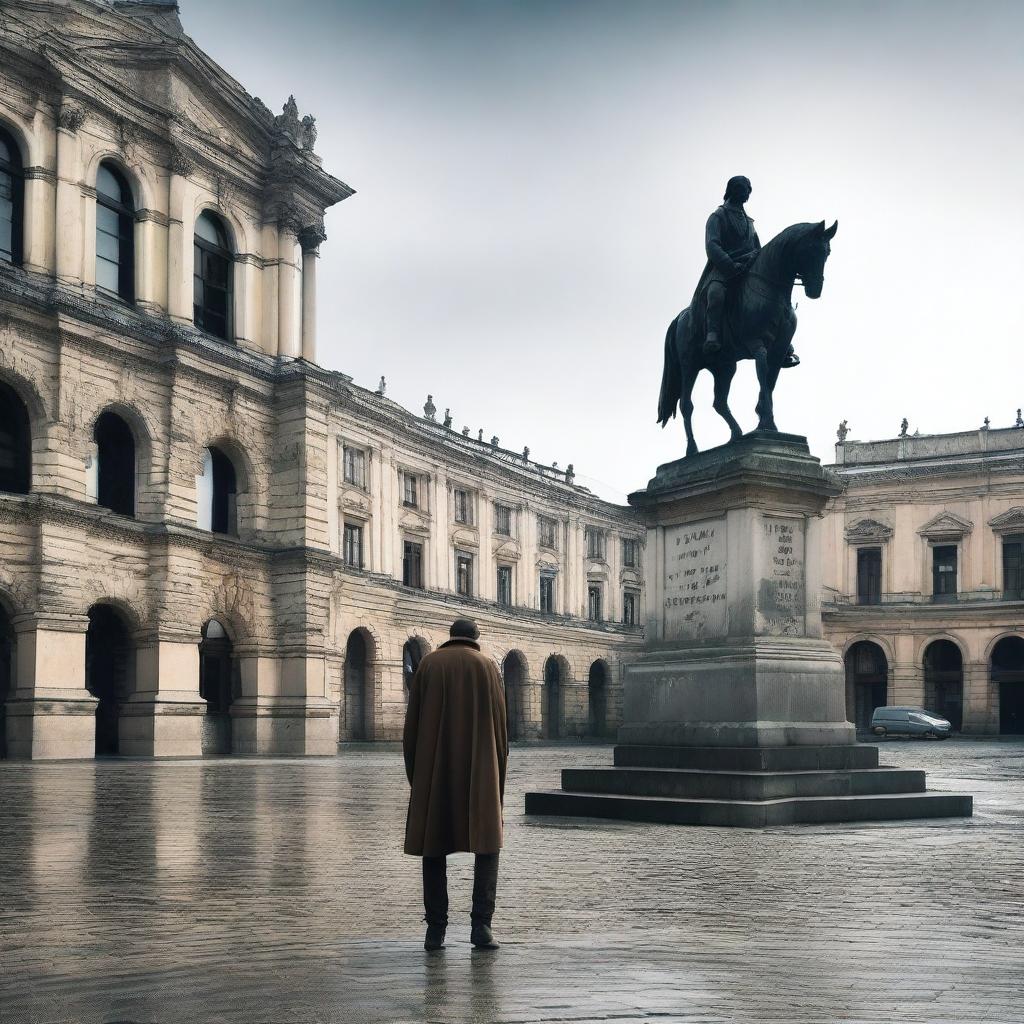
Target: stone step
<point>750,813</point>
<point>733,785</point>
<point>753,759</point>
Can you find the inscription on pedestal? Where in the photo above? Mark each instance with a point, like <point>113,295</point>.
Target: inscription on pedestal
<point>695,596</point>
<point>781,597</point>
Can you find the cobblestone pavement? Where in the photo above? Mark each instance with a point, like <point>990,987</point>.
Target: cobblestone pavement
<point>253,891</point>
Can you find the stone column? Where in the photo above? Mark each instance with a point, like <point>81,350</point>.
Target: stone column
<point>310,239</point>
<point>164,716</point>
<point>69,195</point>
<point>180,230</point>
<point>287,293</point>
<point>981,700</point>
<point>50,714</point>
<point>40,195</point>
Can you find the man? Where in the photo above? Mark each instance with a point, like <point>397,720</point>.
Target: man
<point>732,246</point>
<point>456,751</point>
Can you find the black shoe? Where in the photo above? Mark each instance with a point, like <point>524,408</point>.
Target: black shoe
<point>435,937</point>
<point>481,937</point>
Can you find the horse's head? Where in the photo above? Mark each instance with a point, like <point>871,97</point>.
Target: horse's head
<point>810,254</point>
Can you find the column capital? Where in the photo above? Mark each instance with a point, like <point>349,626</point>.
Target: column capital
<point>311,236</point>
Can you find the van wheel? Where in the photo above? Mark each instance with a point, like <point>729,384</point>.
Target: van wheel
<point>931,735</point>
<point>878,730</point>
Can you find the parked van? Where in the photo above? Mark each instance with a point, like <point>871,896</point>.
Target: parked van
<point>909,722</point>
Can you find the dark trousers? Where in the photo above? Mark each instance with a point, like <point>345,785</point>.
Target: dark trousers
<point>435,888</point>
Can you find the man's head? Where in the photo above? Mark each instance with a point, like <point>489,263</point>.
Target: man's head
<point>738,188</point>
<point>464,629</point>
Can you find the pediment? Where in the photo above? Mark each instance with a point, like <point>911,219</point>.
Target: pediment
<point>413,522</point>
<point>357,501</point>
<point>547,563</point>
<point>463,538</point>
<point>946,524</point>
<point>1010,521</point>
<point>868,530</point>
<point>508,551</point>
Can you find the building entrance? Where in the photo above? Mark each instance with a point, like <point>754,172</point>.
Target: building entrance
<point>1008,675</point>
<point>867,682</point>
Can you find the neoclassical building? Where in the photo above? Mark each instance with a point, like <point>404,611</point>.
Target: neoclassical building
<point>208,542</point>
<point>924,575</point>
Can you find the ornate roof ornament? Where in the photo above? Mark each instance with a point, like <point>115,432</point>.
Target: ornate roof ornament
<point>946,525</point>
<point>843,430</point>
<point>301,132</point>
<point>868,531</point>
<point>429,409</point>
<point>1010,521</point>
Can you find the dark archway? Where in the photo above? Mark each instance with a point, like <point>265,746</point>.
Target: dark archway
<point>115,471</point>
<point>108,672</point>
<point>217,674</point>
<point>1007,668</point>
<point>513,672</point>
<point>867,682</point>
<point>15,443</point>
<point>551,709</point>
<point>358,724</point>
<point>7,663</point>
<point>944,681</point>
<point>597,699</point>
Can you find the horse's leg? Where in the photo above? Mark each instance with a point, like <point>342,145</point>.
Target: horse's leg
<point>766,379</point>
<point>723,382</point>
<point>689,374</point>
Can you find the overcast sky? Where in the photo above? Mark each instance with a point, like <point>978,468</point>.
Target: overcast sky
<point>533,180</point>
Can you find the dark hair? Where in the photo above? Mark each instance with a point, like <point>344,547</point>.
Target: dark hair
<point>465,628</point>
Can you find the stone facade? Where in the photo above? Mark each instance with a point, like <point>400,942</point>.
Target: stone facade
<point>207,592</point>
<point>922,575</point>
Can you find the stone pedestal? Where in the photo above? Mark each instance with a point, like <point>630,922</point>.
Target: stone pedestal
<point>736,712</point>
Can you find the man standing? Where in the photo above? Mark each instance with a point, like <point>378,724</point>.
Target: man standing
<point>456,751</point>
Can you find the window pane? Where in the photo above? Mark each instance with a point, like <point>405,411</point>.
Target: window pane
<point>108,246</point>
<point>108,185</point>
<point>107,219</point>
<point>107,274</point>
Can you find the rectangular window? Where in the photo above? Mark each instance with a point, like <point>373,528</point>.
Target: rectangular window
<point>463,506</point>
<point>944,572</point>
<point>410,489</point>
<point>503,520</point>
<point>352,545</point>
<point>1013,568</point>
<point>630,552</point>
<point>594,602</point>
<point>630,607</point>
<point>464,575</point>
<point>547,593</point>
<point>505,585</point>
<point>355,466</point>
<point>869,575</point>
<point>595,542</point>
<point>546,535</point>
<point>412,564</point>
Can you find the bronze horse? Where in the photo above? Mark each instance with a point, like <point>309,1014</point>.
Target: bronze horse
<point>758,324</point>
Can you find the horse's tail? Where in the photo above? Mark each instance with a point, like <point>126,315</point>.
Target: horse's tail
<point>671,376</point>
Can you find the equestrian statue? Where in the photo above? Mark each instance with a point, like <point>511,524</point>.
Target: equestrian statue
<point>742,309</point>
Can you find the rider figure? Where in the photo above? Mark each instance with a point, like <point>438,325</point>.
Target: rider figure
<point>732,246</point>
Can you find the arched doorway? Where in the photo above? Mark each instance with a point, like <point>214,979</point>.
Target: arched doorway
<point>216,686</point>
<point>108,672</point>
<point>1008,674</point>
<point>551,709</point>
<point>358,722</point>
<point>513,672</point>
<point>944,681</point>
<point>6,673</point>
<point>597,699</point>
<point>867,682</point>
<point>412,654</point>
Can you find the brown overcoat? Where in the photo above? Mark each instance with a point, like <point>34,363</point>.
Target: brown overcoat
<point>456,750</point>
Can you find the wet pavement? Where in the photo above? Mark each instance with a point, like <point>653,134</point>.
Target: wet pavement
<point>253,891</point>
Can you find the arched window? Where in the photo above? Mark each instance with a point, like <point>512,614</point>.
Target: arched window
<point>217,494</point>
<point>115,234</point>
<point>15,443</point>
<point>12,199</point>
<point>212,277</point>
<point>115,464</point>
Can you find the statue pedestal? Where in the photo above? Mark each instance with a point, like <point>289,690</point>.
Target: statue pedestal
<point>736,712</point>
<point>735,654</point>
